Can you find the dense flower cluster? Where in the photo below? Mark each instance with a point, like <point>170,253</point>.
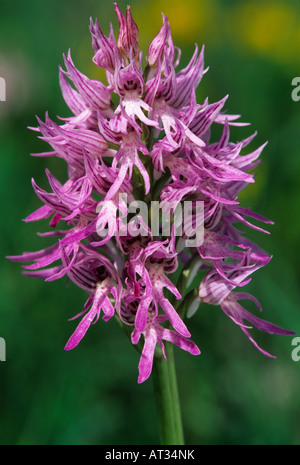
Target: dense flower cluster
<point>144,135</point>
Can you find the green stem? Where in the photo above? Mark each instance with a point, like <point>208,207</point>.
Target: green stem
<point>167,398</point>
<point>175,394</point>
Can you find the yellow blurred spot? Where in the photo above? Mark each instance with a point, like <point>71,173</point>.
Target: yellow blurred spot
<point>269,28</point>
<point>190,20</point>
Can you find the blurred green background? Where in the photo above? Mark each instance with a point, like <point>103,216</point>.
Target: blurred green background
<point>231,393</point>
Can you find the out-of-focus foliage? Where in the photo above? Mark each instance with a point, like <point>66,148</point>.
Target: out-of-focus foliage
<point>230,394</point>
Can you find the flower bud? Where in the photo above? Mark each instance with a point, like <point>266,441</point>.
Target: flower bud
<point>158,43</point>
<point>128,34</point>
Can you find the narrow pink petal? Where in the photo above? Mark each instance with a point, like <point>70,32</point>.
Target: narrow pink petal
<point>146,360</point>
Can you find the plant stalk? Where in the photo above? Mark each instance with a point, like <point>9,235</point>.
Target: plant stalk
<point>167,398</point>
